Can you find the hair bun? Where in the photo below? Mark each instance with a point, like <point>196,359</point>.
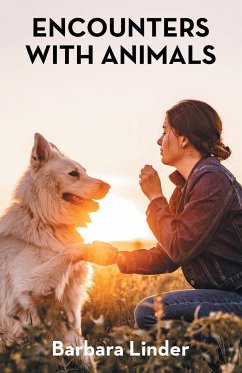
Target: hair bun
<point>220,151</point>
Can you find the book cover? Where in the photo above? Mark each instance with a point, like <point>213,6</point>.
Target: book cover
<point>85,87</point>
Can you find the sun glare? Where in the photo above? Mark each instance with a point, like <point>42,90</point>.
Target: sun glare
<point>117,219</point>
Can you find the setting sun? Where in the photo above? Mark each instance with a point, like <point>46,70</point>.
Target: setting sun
<point>118,219</point>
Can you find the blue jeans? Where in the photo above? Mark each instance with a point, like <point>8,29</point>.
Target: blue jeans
<point>184,304</point>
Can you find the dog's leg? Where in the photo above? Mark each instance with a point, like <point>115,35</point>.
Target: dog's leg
<point>52,276</point>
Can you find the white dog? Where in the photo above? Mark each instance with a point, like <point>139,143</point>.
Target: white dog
<point>40,249</point>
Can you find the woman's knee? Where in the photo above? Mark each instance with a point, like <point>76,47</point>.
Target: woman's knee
<point>144,313</point>
<point>169,306</point>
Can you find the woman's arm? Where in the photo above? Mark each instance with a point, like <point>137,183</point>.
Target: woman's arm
<point>187,235</point>
<point>148,262</point>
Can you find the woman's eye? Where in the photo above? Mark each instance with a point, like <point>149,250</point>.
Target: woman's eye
<point>74,173</point>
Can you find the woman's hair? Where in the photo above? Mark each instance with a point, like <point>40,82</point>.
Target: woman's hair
<point>201,124</point>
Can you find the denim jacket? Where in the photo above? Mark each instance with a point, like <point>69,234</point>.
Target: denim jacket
<point>200,230</point>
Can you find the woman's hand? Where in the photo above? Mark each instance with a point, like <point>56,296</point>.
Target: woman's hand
<point>150,182</point>
<point>100,253</point>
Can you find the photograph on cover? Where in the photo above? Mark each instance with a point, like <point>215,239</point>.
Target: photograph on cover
<point>120,195</point>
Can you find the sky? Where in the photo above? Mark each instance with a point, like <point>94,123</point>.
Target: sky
<point>109,117</point>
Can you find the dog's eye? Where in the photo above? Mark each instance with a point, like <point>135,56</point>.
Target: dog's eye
<point>74,173</point>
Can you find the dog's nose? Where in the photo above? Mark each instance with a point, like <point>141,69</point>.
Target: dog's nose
<point>104,186</point>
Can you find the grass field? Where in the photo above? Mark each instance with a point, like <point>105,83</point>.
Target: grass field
<point>108,320</point>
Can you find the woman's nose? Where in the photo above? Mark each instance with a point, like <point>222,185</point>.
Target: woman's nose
<point>159,141</point>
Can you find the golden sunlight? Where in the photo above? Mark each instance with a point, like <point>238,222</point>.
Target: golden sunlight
<point>117,219</point>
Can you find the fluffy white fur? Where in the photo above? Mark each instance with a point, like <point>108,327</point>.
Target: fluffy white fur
<point>40,249</point>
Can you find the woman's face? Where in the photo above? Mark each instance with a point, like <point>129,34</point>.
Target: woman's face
<point>171,151</point>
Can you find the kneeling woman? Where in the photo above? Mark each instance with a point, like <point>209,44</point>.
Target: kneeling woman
<point>200,229</point>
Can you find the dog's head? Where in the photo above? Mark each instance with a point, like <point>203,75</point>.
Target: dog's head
<point>58,189</point>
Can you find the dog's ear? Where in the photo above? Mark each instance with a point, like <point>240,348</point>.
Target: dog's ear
<point>54,147</point>
<point>41,151</point>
